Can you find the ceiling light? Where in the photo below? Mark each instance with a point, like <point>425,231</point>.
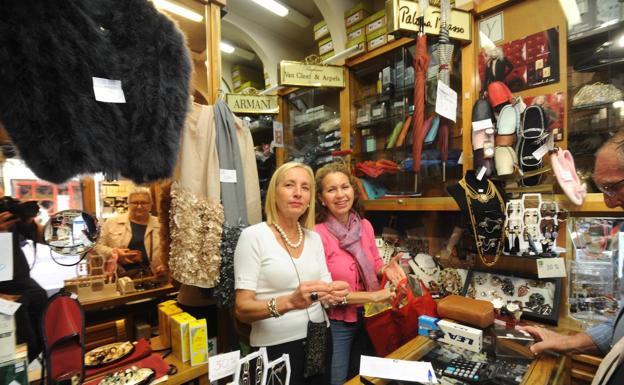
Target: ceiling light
<point>273,6</point>
<point>571,11</point>
<point>618,104</point>
<point>621,41</point>
<point>225,47</point>
<point>178,10</point>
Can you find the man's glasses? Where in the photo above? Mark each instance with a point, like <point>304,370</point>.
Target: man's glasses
<point>610,189</point>
<point>140,203</point>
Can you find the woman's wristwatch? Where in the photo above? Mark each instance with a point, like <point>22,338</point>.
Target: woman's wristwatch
<point>272,306</point>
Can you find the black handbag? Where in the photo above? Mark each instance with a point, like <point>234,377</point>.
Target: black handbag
<point>315,349</point>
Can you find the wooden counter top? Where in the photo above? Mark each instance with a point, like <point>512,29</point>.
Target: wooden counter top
<point>546,369</point>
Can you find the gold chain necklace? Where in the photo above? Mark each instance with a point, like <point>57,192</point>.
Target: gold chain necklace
<point>483,198</point>
<point>471,195</point>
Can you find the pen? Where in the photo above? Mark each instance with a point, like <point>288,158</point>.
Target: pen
<point>430,376</point>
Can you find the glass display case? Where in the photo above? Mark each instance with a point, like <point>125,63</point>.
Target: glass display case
<point>595,269</point>
<point>312,126</point>
<point>382,97</point>
<point>595,86</point>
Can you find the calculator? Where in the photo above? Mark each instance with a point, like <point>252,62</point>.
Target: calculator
<point>470,371</point>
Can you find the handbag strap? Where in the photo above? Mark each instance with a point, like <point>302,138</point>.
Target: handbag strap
<point>299,279</point>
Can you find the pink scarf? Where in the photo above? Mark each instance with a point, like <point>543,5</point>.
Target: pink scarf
<point>349,240</point>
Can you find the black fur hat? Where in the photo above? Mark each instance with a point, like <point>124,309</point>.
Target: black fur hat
<point>49,53</point>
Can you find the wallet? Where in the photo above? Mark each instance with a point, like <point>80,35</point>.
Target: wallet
<point>469,311</point>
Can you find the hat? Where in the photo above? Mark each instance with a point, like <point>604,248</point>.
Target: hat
<point>498,93</point>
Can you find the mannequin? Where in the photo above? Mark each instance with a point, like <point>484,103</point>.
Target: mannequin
<point>483,210</point>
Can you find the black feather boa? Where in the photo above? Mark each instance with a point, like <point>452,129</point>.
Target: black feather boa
<point>50,51</point>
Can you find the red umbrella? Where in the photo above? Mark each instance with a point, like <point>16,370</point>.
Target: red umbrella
<point>420,63</point>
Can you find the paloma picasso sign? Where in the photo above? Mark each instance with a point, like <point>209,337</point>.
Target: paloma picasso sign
<point>310,75</point>
<point>252,104</point>
<point>403,18</point>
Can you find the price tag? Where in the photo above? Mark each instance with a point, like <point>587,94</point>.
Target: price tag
<point>566,176</point>
<point>446,101</point>
<point>6,256</point>
<point>551,268</point>
<point>222,365</point>
<point>227,176</point>
<point>481,173</point>
<point>8,307</point>
<point>540,152</point>
<point>482,125</point>
<point>278,134</point>
<point>108,91</point>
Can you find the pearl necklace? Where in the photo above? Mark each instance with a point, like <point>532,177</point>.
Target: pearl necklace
<point>282,233</point>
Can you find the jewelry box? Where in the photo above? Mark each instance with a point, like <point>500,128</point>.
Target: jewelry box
<point>539,299</point>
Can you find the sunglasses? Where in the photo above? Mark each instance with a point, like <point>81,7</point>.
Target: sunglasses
<point>610,189</point>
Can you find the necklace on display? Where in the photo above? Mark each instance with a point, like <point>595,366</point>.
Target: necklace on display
<point>471,196</point>
<point>481,197</point>
<point>427,271</point>
<point>288,242</point>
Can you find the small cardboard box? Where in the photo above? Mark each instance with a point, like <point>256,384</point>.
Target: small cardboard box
<point>15,370</point>
<point>198,342</point>
<point>460,335</point>
<point>180,335</point>
<point>361,39</point>
<point>357,14</point>
<point>164,329</point>
<point>427,324</point>
<point>377,39</point>
<point>7,337</point>
<point>325,46</point>
<point>321,30</point>
<point>356,30</point>
<point>375,21</point>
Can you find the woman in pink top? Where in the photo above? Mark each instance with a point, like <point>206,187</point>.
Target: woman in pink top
<point>352,256</point>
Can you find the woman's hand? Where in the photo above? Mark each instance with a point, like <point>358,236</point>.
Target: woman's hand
<point>7,221</point>
<point>393,271</point>
<point>383,295</point>
<point>304,296</point>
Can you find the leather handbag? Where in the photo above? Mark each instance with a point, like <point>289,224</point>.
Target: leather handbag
<point>470,311</point>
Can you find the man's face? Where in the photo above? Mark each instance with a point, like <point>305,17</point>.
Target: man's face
<point>609,175</point>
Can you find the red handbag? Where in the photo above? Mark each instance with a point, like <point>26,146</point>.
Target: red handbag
<point>396,325</point>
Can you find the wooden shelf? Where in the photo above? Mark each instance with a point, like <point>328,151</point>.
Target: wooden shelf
<point>411,204</point>
<point>593,204</point>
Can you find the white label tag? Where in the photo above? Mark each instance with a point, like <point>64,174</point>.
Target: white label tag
<point>222,365</point>
<point>6,256</point>
<point>8,307</point>
<point>461,158</point>
<point>278,134</point>
<point>481,173</point>
<point>540,152</point>
<point>108,91</point>
<point>566,176</point>
<point>482,125</point>
<point>446,101</point>
<point>551,268</point>
<point>227,176</point>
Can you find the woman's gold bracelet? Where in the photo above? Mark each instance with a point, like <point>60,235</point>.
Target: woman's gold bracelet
<point>272,306</point>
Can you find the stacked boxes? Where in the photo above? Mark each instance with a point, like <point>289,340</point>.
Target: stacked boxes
<point>244,77</point>
<point>356,34</point>
<point>326,46</point>
<point>15,371</point>
<point>180,341</point>
<point>166,310</point>
<point>376,31</point>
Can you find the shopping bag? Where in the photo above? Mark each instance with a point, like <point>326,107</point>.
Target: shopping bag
<point>390,326</point>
